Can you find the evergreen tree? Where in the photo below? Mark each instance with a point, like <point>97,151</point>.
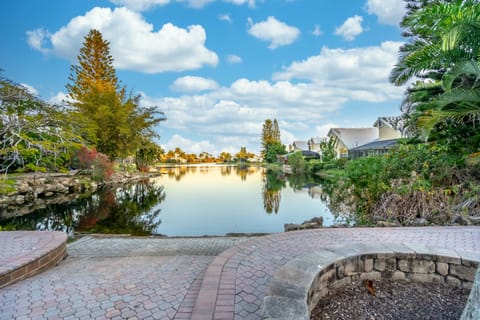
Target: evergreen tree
<point>271,144</point>
<point>276,131</point>
<point>95,70</point>
<point>267,135</point>
<point>121,127</point>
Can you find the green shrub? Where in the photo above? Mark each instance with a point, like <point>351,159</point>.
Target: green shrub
<point>297,162</point>
<point>415,172</point>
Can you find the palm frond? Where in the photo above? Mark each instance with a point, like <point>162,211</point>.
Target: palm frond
<point>460,99</point>
<point>468,68</point>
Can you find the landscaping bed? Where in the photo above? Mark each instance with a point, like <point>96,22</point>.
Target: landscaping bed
<point>394,299</point>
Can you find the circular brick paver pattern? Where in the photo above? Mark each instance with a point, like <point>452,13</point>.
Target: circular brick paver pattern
<point>188,278</point>
<point>248,267</point>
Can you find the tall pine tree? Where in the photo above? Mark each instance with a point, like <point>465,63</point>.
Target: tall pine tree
<point>271,144</point>
<point>121,127</point>
<point>95,69</point>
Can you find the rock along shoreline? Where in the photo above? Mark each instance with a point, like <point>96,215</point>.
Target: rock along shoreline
<point>34,191</point>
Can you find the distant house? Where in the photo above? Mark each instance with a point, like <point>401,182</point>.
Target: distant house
<point>300,145</point>
<point>349,138</point>
<point>368,141</point>
<point>390,128</point>
<point>314,143</point>
<point>375,148</point>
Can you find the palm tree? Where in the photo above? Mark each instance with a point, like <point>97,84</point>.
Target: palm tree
<point>444,52</point>
<point>441,33</point>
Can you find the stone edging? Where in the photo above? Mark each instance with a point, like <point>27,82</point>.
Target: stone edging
<point>49,249</point>
<point>301,283</point>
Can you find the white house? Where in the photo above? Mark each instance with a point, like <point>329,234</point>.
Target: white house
<point>314,143</point>
<point>349,138</point>
<point>390,128</point>
<point>300,145</point>
<point>384,128</point>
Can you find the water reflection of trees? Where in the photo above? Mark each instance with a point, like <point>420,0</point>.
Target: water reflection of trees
<point>179,171</point>
<point>225,170</point>
<point>275,181</point>
<point>271,191</point>
<point>244,170</point>
<point>126,209</point>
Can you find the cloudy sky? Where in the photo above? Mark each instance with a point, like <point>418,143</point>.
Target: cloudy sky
<point>219,68</point>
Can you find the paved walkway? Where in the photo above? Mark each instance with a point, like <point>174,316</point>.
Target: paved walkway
<point>152,278</point>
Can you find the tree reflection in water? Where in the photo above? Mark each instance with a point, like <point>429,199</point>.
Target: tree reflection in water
<point>273,183</point>
<point>244,170</point>
<point>127,210</point>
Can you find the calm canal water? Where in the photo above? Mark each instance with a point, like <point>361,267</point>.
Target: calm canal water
<point>191,201</point>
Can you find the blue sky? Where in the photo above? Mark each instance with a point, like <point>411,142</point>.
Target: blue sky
<point>219,68</point>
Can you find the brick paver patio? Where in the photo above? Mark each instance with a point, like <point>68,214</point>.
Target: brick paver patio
<point>188,278</point>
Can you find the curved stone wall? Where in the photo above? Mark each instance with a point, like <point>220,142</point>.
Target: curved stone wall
<point>298,287</point>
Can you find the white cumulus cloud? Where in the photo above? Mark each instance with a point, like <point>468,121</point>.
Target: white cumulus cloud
<point>388,11</point>
<point>233,59</point>
<point>60,98</point>
<point>37,39</point>
<point>276,32</point>
<point>196,3</point>
<point>322,130</point>
<point>225,17</point>
<point>358,73</point>
<point>250,3</point>
<point>193,84</point>
<point>30,89</point>
<point>351,28</point>
<point>187,145</point>
<point>142,5</point>
<point>134,44</point>
<point>317,31</point>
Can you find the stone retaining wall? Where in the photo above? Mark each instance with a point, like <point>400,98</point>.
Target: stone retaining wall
<point>298,287</point>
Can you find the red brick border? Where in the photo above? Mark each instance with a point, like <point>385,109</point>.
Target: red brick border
<point>50,247</point>
<point>216,299</point>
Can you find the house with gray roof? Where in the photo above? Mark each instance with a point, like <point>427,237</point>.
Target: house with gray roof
<point>349,138</point>
<point>375,148</point>
<point>314,143</point>
<point>365,141</point>
<point>300,145</point>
